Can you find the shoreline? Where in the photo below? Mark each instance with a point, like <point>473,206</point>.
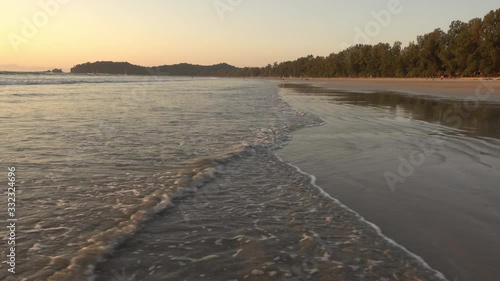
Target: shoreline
<point>461,88</point>
<point>439,275</point>
<point>286,229</point>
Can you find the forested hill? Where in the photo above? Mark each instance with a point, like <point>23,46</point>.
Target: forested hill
<point>466,49</point>
<point>183,69</point>
<point>109,67</point>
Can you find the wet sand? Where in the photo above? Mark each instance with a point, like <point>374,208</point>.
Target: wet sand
<point>454,88</point>
<point>446,207</point>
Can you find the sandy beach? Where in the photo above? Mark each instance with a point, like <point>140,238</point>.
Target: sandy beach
<point>489,90</point>
<point>445,208</point>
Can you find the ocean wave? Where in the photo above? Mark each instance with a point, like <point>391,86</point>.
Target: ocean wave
<point>188,181</point>
<point>69,79</point>
<point>203,170</point>
<point>377,229</point>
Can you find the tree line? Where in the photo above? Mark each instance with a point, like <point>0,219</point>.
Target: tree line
<point>467,49</point>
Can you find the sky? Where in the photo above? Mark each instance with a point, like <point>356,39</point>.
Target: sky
<point>43,34</point>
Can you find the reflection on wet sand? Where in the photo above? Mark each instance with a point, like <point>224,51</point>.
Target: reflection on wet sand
<point>446,207</point>
<point>472,117</point>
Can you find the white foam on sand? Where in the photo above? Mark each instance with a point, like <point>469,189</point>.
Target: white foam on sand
<point>374,226</point>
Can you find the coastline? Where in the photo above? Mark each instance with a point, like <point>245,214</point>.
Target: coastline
<point>447,88</point>
<point>439,275</point>
<point>263,219</point>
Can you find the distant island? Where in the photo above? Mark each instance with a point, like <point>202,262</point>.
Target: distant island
<point>183,69</point>
<point>469,49</point>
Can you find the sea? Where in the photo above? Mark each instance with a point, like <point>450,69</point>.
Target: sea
<point>173,178</point>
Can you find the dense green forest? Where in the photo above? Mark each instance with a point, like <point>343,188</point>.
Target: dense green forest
<point>465,50</point>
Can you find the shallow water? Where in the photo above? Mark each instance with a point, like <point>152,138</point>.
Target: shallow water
<point>131,171</point>
<point>471,116</point>
<point>445,204</point>
<point>94,159</point>
<point>260,220</point>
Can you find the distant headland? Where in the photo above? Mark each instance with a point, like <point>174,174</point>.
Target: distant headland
<point>125,68</point>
